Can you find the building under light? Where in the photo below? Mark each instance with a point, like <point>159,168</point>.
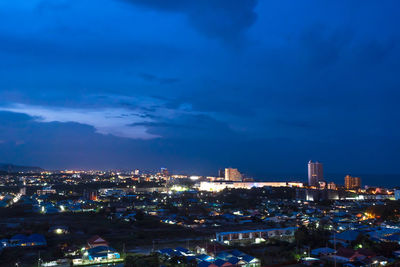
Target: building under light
<point>315,173</point>
<point>164,172</point>
<point>332,186</point>
<point>351,182</point>
<point>232,174</point>
<point>217,186</point>
<point>254,236</point>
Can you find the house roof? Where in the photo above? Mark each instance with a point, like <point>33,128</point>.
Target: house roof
<point>207,264</point>
<point>354,264</point>
<point>223,255</point>
<point>350,235</point>
<point>170,252</point>
<point>366,252</point>
<point>36,238</point>
<point>395,238</point>
<point>222,263</point>
<point>184,250</point>
<point>96,240</point>
<point>345,252</point>
<point>18,237</point>
<point>237,253</point>
<point>248,258</point>
<point>204,257</point>
<point>233,260</point>
<point>324,250</point>
<point>101,249</point>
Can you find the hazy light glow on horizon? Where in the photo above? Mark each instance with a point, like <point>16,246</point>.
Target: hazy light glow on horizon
<point>262,86</point>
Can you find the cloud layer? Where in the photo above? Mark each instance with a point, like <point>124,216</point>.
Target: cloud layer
<point>223,19</point>
<point>150,83</point>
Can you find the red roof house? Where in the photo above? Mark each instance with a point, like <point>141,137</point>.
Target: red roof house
<point>96,241</point>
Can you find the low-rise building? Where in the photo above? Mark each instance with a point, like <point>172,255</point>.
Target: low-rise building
<point>254,236</point>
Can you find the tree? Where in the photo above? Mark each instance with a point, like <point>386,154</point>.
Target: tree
<point>363,241</point>
<point>142,260</point>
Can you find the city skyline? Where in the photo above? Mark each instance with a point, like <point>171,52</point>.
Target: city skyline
<point>257,85</point>
<point>149,133</point>
<point>382,179</point>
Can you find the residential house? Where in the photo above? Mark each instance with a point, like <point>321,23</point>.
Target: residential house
<point>101,253</point>
<point>97,241</point>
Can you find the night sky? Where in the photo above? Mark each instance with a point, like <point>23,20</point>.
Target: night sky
<point>194,86</point>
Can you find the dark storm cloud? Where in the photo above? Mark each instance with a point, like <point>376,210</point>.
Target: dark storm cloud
<point>46,51</point>
<point>295,123</point>
<point>193,127</point>
<point>51,5</point>
<point>324,46</point>
<point>8,119</point>
<point>376,52</point>
<point>161,80</point>
<point>219,101</point>
<point>223,19</point>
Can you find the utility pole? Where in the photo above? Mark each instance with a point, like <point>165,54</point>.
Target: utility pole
<point>39,259</point>
<point>215,250</point>
<point>334,245</point>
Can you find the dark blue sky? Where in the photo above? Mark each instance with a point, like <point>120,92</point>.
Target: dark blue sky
<point>194,85</point>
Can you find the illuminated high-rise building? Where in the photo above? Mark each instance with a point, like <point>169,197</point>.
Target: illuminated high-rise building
<point>232,174</point>
<point>90,195</point>
<point>332,186</point>
<point>22,191</point>
<point>315,173</point>
<point>351,182</point>
<point>164,172</point>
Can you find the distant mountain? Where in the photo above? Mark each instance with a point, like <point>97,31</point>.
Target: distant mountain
<point>5,167</point>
